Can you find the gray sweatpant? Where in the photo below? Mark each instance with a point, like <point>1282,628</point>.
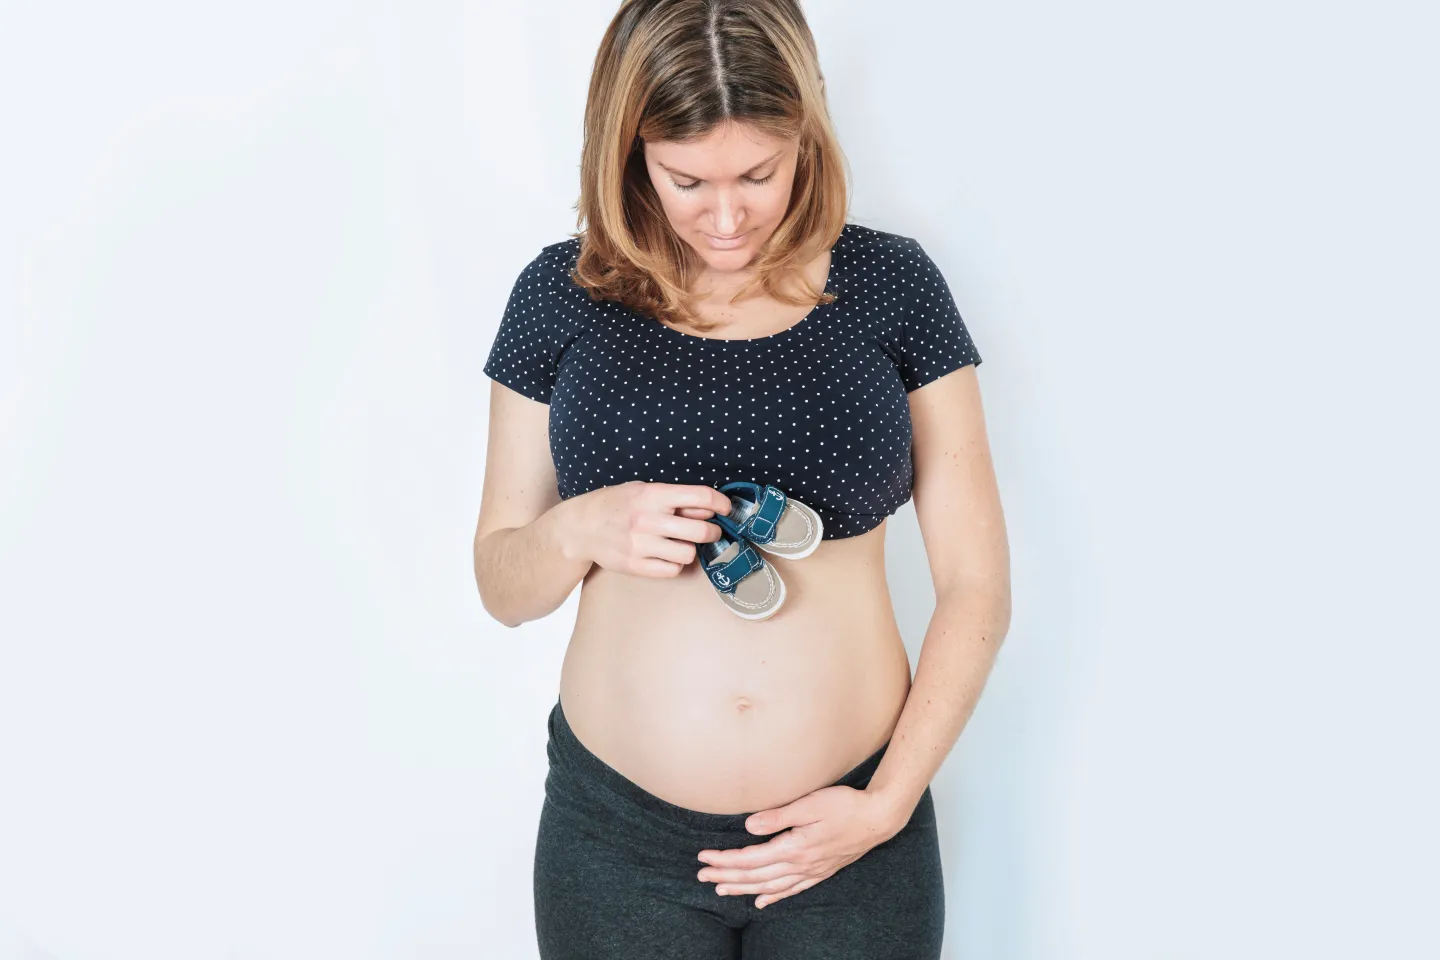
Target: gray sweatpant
<point>615,878</point>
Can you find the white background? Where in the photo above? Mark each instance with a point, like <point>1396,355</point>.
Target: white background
<point>254,256</point>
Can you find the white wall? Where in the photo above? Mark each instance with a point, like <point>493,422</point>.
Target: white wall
<point>250,706</point>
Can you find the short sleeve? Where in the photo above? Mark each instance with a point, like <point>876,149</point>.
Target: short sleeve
<point>933,340</point>
<point>533,332</point>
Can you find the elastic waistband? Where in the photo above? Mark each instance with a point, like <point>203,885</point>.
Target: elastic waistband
<point>572,751</point>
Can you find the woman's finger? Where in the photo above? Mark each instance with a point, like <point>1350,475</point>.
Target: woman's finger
<point>770,898</point>
<point>768,887</point>
<point>673,551</point>
<point>733,875</point>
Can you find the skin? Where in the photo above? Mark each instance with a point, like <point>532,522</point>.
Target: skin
<point>735,181</point>
<point>770,710</point>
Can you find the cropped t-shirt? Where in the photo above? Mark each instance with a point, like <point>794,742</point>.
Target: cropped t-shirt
<point>819,409</point>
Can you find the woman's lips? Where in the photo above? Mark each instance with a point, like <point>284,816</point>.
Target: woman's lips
<point>722,243</point>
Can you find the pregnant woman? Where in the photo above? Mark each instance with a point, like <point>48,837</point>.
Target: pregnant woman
<point>723,785</point>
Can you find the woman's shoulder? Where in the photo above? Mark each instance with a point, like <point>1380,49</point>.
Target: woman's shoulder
<point>549,274</point>
<point>544,296</point>
<point>875,242</point>
<point>553,260</point>
<point>545,312</point>
<point>885,261</point>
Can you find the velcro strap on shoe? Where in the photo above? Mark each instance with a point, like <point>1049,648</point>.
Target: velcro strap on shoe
<point>759,527</point>
<point>726,575</point>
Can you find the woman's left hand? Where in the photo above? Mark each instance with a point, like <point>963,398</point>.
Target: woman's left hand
<point>829,828</point>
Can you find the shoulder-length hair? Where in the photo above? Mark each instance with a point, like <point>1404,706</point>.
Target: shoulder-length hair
<point>675,70</point>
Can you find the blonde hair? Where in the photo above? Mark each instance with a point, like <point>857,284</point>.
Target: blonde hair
<point>676,70</point>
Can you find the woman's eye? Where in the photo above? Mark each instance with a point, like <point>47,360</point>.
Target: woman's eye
<point>685,187</point>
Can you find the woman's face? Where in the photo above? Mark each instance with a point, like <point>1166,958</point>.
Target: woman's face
<point>724,195</point>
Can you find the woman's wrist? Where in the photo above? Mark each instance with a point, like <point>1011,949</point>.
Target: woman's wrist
<point>564,527</point>
<point>895,805</point>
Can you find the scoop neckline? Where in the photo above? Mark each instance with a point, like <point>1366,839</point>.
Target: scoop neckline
<point>806,321</point>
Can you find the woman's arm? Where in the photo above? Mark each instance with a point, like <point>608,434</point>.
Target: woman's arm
<point>524,564</point>
<point>958,505</point>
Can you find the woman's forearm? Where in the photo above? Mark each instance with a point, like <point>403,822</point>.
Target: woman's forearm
<point>966,632</point>
<point>524,573</point>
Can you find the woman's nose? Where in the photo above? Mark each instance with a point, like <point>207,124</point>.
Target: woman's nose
<point>726,215</point>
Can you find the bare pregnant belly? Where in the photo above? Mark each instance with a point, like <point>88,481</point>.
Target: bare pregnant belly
<point>716,713</point>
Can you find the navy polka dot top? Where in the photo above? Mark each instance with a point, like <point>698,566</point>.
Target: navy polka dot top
<point>819,409</point>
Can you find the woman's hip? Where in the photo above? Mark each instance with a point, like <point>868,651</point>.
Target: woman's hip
<point>611,850</point>
<point>582,786</point>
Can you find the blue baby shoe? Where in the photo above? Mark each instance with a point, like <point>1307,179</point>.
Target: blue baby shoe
<point>745,583</point>
<point>772,519</point>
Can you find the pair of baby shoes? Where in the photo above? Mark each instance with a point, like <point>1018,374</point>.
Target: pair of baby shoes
<point>770,519</point>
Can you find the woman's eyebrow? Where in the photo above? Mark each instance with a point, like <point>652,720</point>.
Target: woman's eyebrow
<point>689,176</point>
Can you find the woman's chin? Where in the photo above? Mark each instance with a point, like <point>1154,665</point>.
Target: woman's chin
<point>725,260</point>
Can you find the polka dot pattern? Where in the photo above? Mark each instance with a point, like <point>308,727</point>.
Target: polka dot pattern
<point>819,409</point>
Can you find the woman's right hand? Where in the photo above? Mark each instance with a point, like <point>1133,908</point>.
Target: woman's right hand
<point>642,528</point>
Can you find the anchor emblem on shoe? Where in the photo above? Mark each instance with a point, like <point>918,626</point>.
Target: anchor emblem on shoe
<point>744,582</point>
